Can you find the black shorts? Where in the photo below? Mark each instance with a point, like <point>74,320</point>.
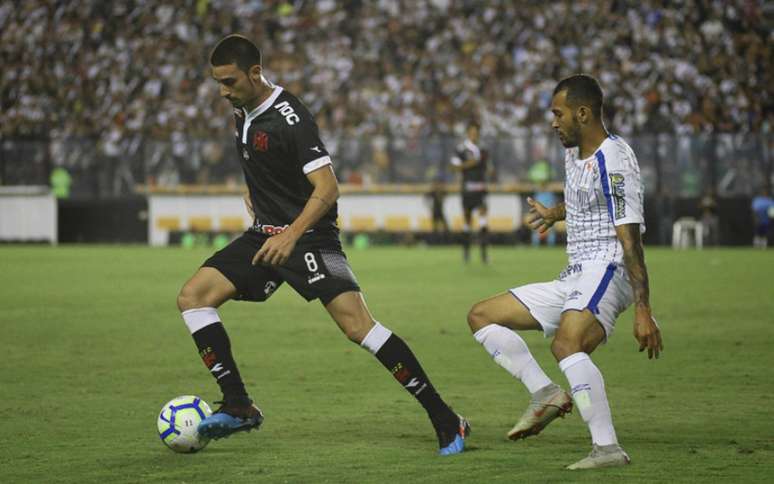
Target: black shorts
<point>317,268</point>
<point>472,200</point>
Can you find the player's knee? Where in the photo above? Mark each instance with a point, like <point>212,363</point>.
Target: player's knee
<point>563,346</point>
<point>477,318</point>
<point>356,334</point>
<point>188,298</point>
<point>356,329</point>
<point>588,347</point>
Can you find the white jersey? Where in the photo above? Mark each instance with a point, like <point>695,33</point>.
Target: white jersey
<point>601,192</point>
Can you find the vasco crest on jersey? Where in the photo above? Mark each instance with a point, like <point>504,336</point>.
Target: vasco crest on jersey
<point>618,184</point>
<point>261,141</point>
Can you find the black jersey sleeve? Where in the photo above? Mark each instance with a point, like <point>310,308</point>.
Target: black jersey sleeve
<point>304,143</point>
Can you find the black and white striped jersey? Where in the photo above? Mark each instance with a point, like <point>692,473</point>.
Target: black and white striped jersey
<point>601,192</point>
<point>279,144</point>
<point>473,178</point>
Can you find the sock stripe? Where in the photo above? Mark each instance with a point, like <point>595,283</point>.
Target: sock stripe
<point>376,338</point>
<point>199,318</point>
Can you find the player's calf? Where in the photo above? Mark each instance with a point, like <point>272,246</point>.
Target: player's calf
<point>477,317</point>
<point>399,360</point>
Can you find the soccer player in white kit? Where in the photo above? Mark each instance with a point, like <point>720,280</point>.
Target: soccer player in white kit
<point>606,273</point>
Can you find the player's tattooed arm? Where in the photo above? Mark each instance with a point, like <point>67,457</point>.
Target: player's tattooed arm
<point>327,203</point>
<point>541,218</point>
<point>324,195</point>
<point>646,330</point>
<point>634,259</point>
<point>277,249</point>
<point>249,206</point>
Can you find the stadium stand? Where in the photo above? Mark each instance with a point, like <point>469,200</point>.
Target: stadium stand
<point>119,94</point>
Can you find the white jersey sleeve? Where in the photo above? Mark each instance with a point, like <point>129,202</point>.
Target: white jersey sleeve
<point>621,183</point>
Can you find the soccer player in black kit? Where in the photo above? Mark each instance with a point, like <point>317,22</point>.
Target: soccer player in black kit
<point>471,160</point>
<point>292,197</point>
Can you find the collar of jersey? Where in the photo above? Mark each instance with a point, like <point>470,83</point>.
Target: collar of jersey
<point>264,105</point>
<point>249,117</point>
<point>593,155</point>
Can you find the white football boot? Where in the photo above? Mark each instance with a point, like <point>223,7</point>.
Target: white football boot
<point>546,405</point>
<point>603,456</point>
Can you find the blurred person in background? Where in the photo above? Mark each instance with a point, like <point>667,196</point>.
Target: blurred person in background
<point>709,220</point>
<point>763,212</point>
<point>471,161</point>
<point>546,198</point>
<point>436,197</point>
<point>540,174</point>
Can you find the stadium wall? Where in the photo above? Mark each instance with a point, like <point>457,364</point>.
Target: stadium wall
<point>358,212</point>
<point>28,214</point>
<point>106,220</point>
<point>32,214</point>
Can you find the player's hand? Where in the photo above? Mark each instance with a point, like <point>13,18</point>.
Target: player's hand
<point>647,333</point>
<point>249,205</point>
<point>276,250</point>
<point>539,217</point>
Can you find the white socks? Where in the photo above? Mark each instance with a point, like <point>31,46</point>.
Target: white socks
<point>586,383</point>
<point>511,352</point>
<point>588,391</point>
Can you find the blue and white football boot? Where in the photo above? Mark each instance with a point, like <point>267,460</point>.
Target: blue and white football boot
<point>453,442</point>
<point>230,418</point>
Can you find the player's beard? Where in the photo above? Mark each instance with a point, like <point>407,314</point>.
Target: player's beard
<point>571,137</point>
<point>236,103</point>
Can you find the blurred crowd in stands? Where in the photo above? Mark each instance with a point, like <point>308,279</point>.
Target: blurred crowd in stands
<point>120,91</point>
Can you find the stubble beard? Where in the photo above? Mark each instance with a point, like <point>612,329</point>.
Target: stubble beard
<point>572,136</point>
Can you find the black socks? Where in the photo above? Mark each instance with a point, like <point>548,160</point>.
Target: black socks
<point>215,350</point>
<point>397,357</point>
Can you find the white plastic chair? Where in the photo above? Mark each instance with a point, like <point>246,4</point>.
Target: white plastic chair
<point>687,231</point>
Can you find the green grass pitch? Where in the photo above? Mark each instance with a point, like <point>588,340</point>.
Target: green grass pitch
<point>93,345</point>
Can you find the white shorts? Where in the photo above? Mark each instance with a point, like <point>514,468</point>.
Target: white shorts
<point>603,288</point>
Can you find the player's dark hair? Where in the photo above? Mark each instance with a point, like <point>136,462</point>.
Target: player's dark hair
<point>236,49</point>
<point>582,90</point>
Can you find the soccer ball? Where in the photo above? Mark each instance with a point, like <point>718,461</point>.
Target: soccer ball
<point>178,420</point>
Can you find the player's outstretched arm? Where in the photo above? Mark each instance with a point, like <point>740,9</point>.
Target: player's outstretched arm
<point>646,330</point>
<point>541,218</point>
<point>276,250</point>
